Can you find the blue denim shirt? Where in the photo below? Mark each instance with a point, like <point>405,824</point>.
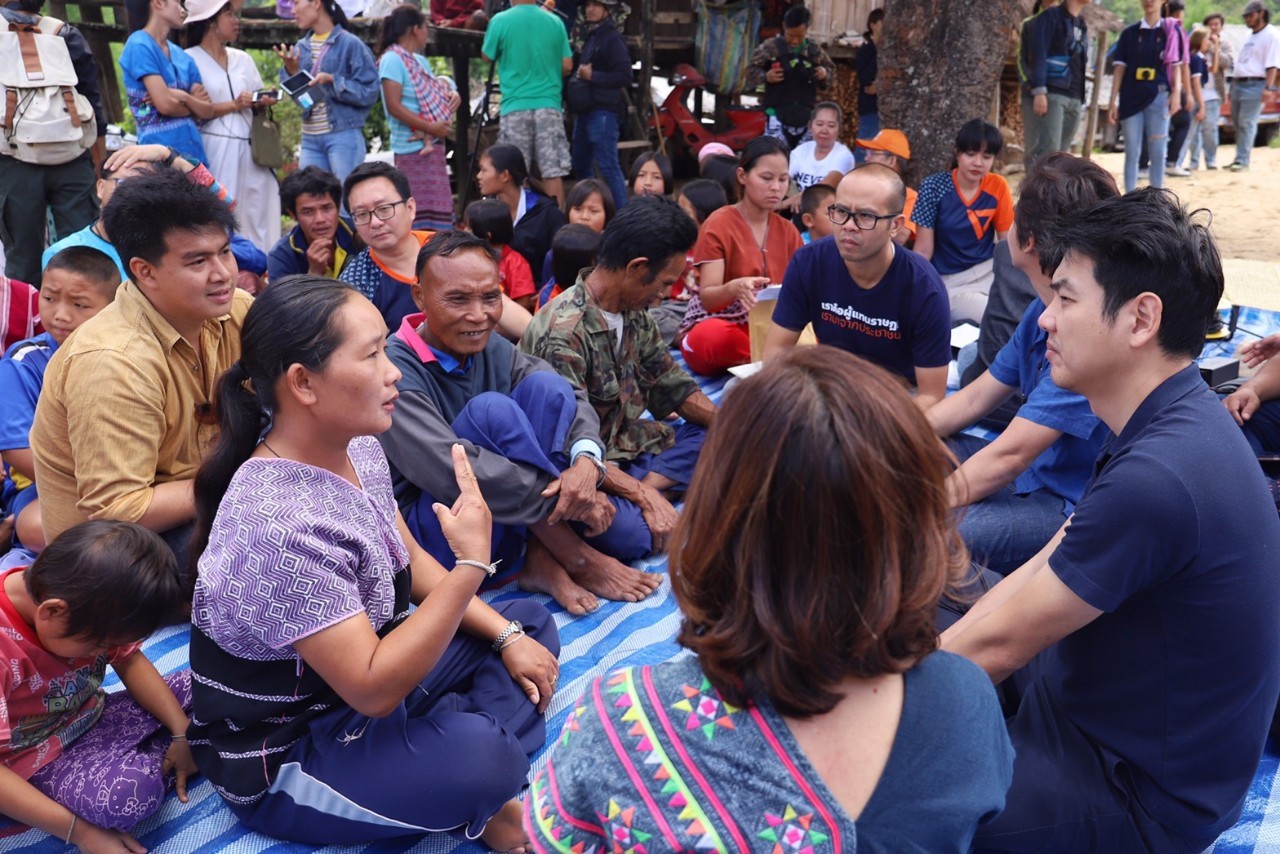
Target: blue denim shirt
<point>355,86</point>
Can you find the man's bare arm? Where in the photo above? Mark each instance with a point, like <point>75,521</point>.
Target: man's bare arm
<point>999,463</point>
<point>172,504</point>
<point>931,386</point>
<point>1041,612</point>
<point>778,340</point>
<point>697,409</point>
<point>967,405</point>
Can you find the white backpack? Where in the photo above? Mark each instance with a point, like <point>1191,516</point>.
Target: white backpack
<point>43,119</point>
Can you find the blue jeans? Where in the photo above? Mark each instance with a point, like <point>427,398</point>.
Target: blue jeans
<point>1263,430</point>
<point>1005,530</point>
<point>595,142</point>
<point>1205,136</point>
<point>1151,125</point>
<point>336,151</point>
<point>1246,106</point>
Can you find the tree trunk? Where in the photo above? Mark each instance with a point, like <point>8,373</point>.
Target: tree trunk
<point>938,68</point>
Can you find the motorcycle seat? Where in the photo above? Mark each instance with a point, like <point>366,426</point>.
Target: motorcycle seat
<point>685,74</point>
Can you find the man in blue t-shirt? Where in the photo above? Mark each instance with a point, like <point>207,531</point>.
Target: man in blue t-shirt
<point>1019,488</point>
<point>864,293</point>
<point>1143,727</point>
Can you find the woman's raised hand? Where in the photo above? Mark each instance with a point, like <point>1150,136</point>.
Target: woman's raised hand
<point>289,56</point>
<point>468,524</point>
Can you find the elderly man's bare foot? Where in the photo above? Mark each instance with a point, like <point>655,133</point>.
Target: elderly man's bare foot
<point>504,832</point>
<point>542,573</point>
<point>610,578</point>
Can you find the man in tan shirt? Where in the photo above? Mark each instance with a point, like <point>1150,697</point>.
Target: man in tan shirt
<point>125,415</point>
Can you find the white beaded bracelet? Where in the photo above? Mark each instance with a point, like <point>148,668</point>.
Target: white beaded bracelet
<point>490,568</point>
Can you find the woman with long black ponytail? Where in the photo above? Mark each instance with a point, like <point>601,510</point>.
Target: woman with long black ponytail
<point>324,712</point>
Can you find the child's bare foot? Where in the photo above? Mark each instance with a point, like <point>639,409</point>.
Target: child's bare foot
<point>504,832</point>
<point>542,573</point>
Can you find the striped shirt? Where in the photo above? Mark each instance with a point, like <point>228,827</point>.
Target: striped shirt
<point>318,121</point>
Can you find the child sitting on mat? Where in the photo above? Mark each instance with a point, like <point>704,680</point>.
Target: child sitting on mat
<point>74,762</point>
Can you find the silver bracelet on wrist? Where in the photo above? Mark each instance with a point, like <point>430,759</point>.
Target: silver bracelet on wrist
<point>515,636</point>
<point>500,641</point>
<point>72,829</point>
<point>489,568</point>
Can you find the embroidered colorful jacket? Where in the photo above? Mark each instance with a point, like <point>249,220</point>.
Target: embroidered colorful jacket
<point>653,759</point>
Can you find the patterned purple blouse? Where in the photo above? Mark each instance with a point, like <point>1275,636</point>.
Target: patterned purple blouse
<point>294,549</point>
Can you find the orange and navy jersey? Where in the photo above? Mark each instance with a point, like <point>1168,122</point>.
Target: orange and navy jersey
<point>964,229</point>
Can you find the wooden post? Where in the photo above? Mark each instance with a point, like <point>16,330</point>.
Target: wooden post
<point>1091,122</point>
<point>462,135</point>
<point>648,10</point>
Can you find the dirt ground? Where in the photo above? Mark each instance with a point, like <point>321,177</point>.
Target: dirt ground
<point>1245,205</point>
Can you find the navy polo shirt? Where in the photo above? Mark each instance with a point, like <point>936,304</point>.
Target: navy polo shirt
<point>1065,466</point>
<point>1177,541</point>
<point>901,323</point>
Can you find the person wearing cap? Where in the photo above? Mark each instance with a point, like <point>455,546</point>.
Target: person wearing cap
<point>65,190</point>
<point>714,149</point>
<point>232,78</point>
<point>890,148</point>
<point>604,66</point>
<point>864,293</point>
<point>824,159</point>
<point>1254,80</point>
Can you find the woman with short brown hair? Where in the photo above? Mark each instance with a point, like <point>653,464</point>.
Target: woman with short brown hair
<point>815,545</point>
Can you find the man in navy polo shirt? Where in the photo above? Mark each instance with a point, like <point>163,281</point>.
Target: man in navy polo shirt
<point>1019,488</point>
<point>1143,726</point>
<point>864,293</point>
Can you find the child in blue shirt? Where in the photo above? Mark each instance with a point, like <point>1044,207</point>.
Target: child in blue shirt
<point>79,282</point>
<point>813,212</point>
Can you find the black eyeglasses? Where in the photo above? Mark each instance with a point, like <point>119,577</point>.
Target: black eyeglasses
<point>382,212</point>
<point>839,215</point>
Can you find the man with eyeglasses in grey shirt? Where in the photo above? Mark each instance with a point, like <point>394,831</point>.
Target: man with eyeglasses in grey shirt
<point>864,293</point>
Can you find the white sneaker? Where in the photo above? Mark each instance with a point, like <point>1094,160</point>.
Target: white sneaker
<point>1177,172</point>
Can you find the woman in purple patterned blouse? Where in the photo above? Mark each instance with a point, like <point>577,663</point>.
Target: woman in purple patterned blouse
<point>324,710</point>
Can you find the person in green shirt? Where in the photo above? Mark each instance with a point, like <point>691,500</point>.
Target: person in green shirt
<point>532,50</point>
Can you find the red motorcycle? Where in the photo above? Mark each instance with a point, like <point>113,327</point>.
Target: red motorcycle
<point>675,121</point>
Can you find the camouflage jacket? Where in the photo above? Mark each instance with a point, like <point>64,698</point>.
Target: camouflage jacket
<point>773,50</point>
<point>571,335</point>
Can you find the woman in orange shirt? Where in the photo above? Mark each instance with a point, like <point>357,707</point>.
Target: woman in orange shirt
<point>741,248</point>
